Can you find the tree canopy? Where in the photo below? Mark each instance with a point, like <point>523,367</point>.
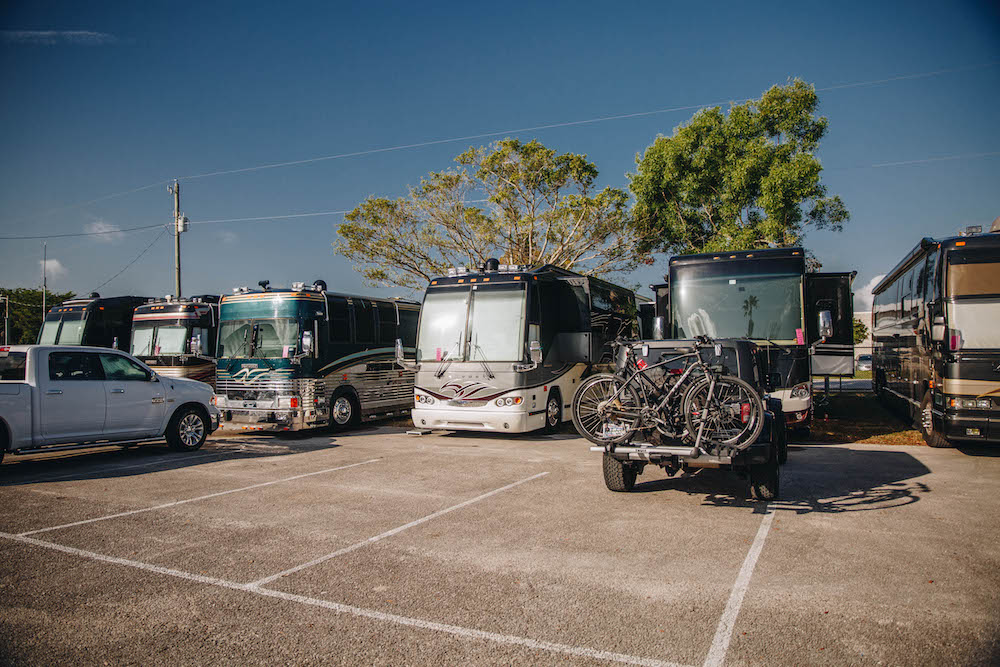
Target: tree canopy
<point>738,181</point>
<point>519,202</point>
<point>860,331</point>
<point>26,312</point>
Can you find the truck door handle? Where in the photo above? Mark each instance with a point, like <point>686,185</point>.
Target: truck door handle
<point>118,391</point>
<point>53,392</point>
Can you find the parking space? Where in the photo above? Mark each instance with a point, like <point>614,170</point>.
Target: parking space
<point>382,547</point>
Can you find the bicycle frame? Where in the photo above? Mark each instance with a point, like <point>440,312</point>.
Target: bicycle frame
<point>699,364</point>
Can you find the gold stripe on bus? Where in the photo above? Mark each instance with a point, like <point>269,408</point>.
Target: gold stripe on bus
<point>976,388</point>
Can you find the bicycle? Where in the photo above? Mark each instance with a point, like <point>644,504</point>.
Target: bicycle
<point>698,404</point>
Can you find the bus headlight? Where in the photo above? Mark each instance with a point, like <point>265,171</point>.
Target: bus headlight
<point>510,400</point>
<point>801,390</point>
<point>426,400</point>
<point>969,403</point>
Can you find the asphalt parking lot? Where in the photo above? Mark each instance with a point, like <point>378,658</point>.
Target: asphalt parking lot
<point>378,547</point>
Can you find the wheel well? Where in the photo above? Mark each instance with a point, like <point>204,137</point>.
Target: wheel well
<point>4,437</point>
<point>197,406</point>
<point>558,392</point>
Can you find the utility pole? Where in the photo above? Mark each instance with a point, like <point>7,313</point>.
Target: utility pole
<point>45,251</point>
<point>6,316</point>
<point>180,225</point>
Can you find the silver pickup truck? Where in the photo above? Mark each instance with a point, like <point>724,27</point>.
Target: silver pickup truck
<point>59,397</point>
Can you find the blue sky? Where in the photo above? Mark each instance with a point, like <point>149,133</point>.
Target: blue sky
<point>101,99</point>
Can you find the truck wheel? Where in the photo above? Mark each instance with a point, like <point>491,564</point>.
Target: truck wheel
<point>618,475</point>
<point>764,479</point>
<point>345,412</point>
<point>187,430</point>
<point>553,412</point>
<point>931,437</point>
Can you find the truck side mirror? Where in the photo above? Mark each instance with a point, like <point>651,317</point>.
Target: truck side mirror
<point>196,348</point>
<point>535,352</point>
<point>825,324</point>
<point>307,342</point>
<point>659,324</point>
<point>938,328</point>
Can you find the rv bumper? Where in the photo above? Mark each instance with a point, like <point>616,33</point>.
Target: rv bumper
<point>465,419</point>
<point>971,427</point>
<point>273,420</point>
<point>797,410</point>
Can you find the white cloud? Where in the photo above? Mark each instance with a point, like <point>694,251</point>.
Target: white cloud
<point>105,231</point>
<point>863,297</point>
<point>53,37</point>
<point>228,238</point>
<point>54,269</point>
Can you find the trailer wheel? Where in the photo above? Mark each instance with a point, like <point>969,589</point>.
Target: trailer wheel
<point>345,412</point>
<point>931,437</point>
<point>618,475</point>
<point>187,430</point>
<point>553,412</point>
<point>764,478</point>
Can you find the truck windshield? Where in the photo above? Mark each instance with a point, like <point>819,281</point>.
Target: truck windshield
<point>752,306</point>
<point>62,329</point>
<point>975,324</point>
<point>272,338</point>
<point>490,321</point>
<point>160,339</point>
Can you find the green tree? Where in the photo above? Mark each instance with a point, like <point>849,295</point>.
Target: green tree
<point>519,202</point>
<point>738,181</point>
<point>860,331</point>
<point>26,312</point>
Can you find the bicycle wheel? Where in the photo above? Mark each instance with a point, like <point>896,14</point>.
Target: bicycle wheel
<point>600,418</point>
<point>732,417</point>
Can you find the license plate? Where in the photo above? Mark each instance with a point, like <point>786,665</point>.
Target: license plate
<point>249,404</point>
<point>614,430</point>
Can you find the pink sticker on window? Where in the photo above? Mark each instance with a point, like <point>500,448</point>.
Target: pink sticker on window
<point>437,354</point>
<point>800,337</point>
<point>286,351</point>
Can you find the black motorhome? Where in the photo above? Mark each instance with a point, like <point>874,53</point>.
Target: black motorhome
<point>803,322</point>
<point>177,336</point>
<point>95,320</point>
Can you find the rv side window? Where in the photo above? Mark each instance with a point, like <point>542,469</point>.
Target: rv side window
<point>408,326</point>
<point>387,323</point>
<point>340,324</point>
<point>364,321</point>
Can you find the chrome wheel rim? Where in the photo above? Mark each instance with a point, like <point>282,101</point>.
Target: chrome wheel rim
<point>191,429</point>
<point>553,412</point>
<point>927,419</point>
<point>342,410</point>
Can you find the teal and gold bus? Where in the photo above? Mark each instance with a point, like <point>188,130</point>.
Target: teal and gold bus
<point>300,358</point>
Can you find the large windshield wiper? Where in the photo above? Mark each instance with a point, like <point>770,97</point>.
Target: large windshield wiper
<point>477,348</point>
<point>777,345</point>
<point>445,361</point>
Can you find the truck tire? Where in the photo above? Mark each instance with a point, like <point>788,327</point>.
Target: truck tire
<point>187,429</point>
<point>764,479</point>
<point>931,437</point>
<point>553,412</point>
<point>345,411</point>
<point>618,475</point>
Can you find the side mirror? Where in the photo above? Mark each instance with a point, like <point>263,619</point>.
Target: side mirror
<point>825,324</point>
<point>114,343</point>
<point>659,324</point>
<point>401,359</point>
<point>307,342</point>
<point>938,328</point>
<point>535,352</point>
<point>196,348</point>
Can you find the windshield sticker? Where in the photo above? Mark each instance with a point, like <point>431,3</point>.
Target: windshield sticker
<point>800,338</point>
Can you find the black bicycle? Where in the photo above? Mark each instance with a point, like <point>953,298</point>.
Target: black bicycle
<point>696,402</point>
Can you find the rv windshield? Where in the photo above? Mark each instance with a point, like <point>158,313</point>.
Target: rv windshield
<point>152,339</point>
<point>491,321</point>
<point>271,338</point>
<point>63,329</point>
<point>975,322</point>
<point>752,306</point>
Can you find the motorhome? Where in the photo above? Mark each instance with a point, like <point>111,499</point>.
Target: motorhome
<point>801,321</point>
<point>176,337</point>
<point>503,348</point>
<point>303,357</point>
<point>93,320</point>
<point>936,337</point>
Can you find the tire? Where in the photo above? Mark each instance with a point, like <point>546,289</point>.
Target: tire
<point>728,390</point>
<point>764,479</point>
<point>345,411</point>
<point>592,394</point>
<point>618,475</point>
<point>931,437</point>
<point>553,412</point>
<point>187,430</point>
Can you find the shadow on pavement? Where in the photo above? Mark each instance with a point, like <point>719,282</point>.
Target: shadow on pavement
<point>816,479</point>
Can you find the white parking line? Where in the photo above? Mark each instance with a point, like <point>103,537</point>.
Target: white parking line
<point>390,533</point>
<point>191,500</point>
<point>454,630</point>
<point>724,632</point>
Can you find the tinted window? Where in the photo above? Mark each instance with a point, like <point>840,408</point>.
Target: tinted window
<point>340,326</point>
<point>364,321</point>
<point>117,367</point>
<point>408,326</point>
<point>387,323</point>
<point>65,366</point>
<point>12,365</point>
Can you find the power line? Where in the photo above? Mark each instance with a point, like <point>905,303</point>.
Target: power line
<point>934,159</point>
<point>63,236</point>
<point>484,135</point>
<point>134,260</point>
